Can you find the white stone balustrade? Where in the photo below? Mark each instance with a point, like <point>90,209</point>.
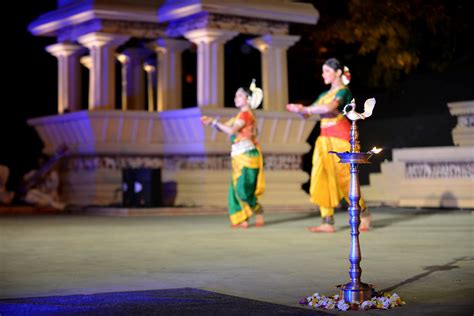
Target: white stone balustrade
<point>194,157</point>
<point>169,132</point>
<point>430,176</point>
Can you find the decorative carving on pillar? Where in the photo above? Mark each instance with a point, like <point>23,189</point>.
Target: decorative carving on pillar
<point>274,68</point>
<point>439,170</point>
<point>169,86</point>
<point>69,81</point>
<point>102,74</point>
<point>137,29</point>
<point>176,163</point>
<point>283,162</point>
<point>226,22</point>
<point>465,121</point>
<point>73,32</point>
<point>80,163</point>
<point>210,82</point>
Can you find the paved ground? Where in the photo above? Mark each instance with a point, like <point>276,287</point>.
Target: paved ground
<point>426,256</point>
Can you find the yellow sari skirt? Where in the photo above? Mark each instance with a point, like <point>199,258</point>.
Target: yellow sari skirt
<point>330,179</point>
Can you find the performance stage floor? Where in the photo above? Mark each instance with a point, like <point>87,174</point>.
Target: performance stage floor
<point>425,256</point>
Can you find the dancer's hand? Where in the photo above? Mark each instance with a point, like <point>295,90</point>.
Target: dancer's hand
<point>295,107</point>
<point>206,120</point>
<point>298,109</point>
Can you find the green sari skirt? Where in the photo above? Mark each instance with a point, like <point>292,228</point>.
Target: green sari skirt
<point>247,184</point>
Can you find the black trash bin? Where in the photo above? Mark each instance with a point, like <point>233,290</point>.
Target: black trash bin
<point>141,187</point>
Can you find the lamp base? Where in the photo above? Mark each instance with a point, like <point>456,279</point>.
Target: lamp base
<point>352,293</point>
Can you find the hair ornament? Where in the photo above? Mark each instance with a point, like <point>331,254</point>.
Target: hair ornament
<point>256,97</point>
<point>346,76</point>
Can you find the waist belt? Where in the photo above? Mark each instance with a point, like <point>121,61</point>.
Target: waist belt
<point>241,147</point>
<point>328,122</point>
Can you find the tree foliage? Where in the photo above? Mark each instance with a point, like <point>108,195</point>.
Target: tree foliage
<point>393,38</point>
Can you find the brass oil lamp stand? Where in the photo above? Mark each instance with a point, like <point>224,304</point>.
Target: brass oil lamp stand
<point>356,290</point>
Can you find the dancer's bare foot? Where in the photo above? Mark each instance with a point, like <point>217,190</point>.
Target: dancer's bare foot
<point>365,223</point>
<point>241,225</point>
<point>323,228</point>
<point>259,221</point>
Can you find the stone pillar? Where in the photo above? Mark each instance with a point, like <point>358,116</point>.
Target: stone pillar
<point>150,70</point>
<point>274,68</point>
<point>69,76</point>
<point>102,48</point>
<point>134,77</point>
<point>124,60</point>
<point>86,61</point>
<point>169,92</point>
<point>210,73</point>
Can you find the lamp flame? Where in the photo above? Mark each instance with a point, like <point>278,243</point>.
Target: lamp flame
<point>375,150</point>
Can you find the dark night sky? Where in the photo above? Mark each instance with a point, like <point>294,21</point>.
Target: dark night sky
<point>31,87</point>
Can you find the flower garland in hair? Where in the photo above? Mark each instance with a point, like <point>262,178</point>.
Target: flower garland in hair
<point>346,76</point>
<point>384,301</point>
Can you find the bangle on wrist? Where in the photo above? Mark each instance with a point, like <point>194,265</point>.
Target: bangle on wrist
<point>214,123</point>
<point>307,110</point>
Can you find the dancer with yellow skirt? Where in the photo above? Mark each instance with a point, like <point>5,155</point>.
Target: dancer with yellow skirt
<point>330,179</point>
<point>248,181</point>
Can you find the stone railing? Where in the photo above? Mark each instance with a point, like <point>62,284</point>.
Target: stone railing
<point>194,159</point>
<point>177,132</point>
<point>430,176</point>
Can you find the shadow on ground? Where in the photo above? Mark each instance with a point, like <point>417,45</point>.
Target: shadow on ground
<point>290,219</point>
<point>401,217</point>
<point>429,270</point>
